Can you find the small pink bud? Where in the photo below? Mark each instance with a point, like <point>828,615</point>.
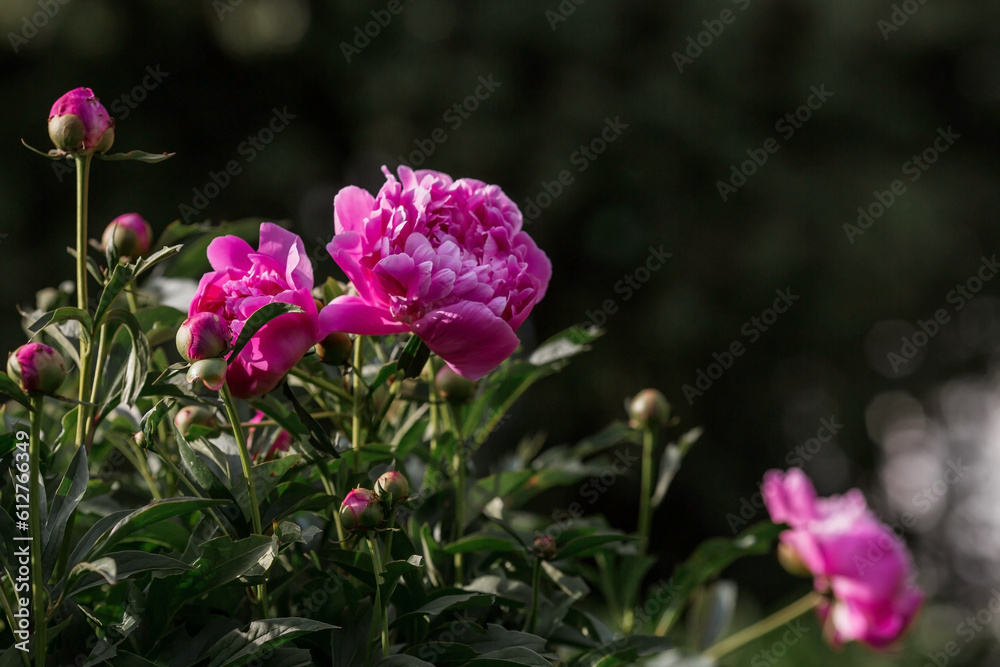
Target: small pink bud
<point>453,387</point>
<point>129,234</point>
<point>648,409</point>
<point>210,371</point>
<point>544,546</point>
<point>203,336</point>
<point>79,123</point>
<point>335,349</point>
<point>361,510</point>
<point>36,368</point>
<point>392,486</point>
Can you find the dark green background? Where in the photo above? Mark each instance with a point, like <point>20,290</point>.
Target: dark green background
<point>655,185</point>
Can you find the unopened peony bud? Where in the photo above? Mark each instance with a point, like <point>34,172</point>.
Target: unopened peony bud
<point>36,368</point>
<point>129,234</point>
<point>195,415</point>
<point>392,486</point>
<point>79,123</point>
<point>335,349</point>
<point>791,561</point>
<point>203,336</point>
<point>544,546</point>
<point>361,510</point>
<point>210,371</point>
<point>453,387</point>
<point>648,409</point>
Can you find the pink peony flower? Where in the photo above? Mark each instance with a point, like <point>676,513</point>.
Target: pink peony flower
<point>852,556</point>
<point>244,280</point>
<point>444,259</point>
<point>79,123</point>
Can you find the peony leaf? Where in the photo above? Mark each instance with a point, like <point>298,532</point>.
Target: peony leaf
<point>139,156</point>
<point>9,388</point>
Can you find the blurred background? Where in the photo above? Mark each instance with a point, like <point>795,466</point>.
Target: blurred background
<point>741,137</point>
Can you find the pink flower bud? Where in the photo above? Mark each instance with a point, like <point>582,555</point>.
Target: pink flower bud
<point>361,510</point>
<point>203,336</point>
<point>392,486</point>
<point>210,371</point>
<point>648,409</point>
<point>453,387</point>
<point>129,234</point>
<point>79,123</point>
<point>544,546</point>
<point>36,368</point>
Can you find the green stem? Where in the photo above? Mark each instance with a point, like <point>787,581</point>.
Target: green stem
<point>379,578</point>
<point>133,303</point>
<point>763,626</point>
<point>386,404</point>
<point>646,490</point>
<point>82,184</point>
<point>35,526</point>
<point>241,447</point>
<point>536,581</point>
<point>322,383</point>
<point>359,359</point>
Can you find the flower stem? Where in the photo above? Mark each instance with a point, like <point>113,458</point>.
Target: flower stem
<point>379,610</point>
<point>646,490</point>
<point>35,526</point>
<point>763,626</point>
<point>322,383</point>
<point>536,581</point>
<point>359,359</point>
<point>82,184</point>
<point>241,447</point>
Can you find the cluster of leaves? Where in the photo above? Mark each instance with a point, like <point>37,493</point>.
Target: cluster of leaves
<point>150,558</point>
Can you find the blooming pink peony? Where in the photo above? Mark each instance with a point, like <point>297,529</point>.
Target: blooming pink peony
<point>444,259</point>
<point>851,555</point>
<point>244,280</point>
<point>78,122</point>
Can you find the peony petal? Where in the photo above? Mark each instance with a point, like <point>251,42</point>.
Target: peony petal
<point>351,314</point>
<point>288,251</point>
<point>468,336</point>
<point>350,208</point>
<point>230,252</point>
<point>270,354</point>
<point>346,250</point>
